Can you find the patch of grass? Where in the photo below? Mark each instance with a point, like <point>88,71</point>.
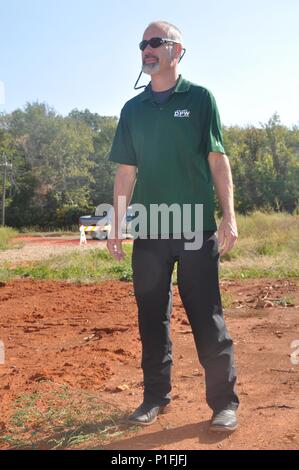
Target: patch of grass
<point>286,301</point>
<point>63,418</point>
<point>6,236</point>
<point>123,271</point>
<point>278,267</point>
<point>267,247</point>
<point>267,234</point>
<point>227,299</point>
<point>81,266</point>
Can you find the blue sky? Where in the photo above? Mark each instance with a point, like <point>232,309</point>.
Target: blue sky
<point>84,54</point>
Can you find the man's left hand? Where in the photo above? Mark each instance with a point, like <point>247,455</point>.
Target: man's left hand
<point>227,234</point>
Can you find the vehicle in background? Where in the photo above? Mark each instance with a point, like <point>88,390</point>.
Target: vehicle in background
<point>99,225</point>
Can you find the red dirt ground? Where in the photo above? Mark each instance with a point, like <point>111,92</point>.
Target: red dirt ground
<point>63,240</point>
<point>86,336</point>
<point>67,240</point>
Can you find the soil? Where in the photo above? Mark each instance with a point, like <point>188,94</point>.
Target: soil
<point>26,249</point>
<point>87,336</point>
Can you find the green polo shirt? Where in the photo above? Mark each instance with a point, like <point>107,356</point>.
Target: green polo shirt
<point>170,144</point>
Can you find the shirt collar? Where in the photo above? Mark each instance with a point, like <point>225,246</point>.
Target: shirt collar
<point>182,86</point>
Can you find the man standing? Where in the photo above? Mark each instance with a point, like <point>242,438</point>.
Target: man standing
<point>169,142</point>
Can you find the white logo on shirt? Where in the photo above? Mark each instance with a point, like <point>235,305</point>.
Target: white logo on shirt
<point>182,113</point>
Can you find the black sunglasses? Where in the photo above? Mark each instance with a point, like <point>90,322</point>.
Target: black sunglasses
<point>154,43</point>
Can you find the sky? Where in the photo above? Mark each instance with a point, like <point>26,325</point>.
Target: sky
<point>84,54</point>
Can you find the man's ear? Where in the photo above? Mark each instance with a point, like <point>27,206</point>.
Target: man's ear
<point>178,51</point>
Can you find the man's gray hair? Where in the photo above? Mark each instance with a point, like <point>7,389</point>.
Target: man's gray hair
<point>171,31</point>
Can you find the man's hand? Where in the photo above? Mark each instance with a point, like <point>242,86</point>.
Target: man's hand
<point>115,249</point>
<point>227,234</point>
<point>124,182</point>
<point>223,182</point>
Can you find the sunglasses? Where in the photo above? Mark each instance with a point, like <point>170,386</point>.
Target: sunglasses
<point>154,43</point>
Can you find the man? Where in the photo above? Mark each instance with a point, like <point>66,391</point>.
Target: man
<point>169,142</point>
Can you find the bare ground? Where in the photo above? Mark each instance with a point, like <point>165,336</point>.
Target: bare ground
<point>26,249</point>
<point>86,336</point>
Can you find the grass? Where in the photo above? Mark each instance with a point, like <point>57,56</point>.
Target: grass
<point>81,267</point>
<point>227,299</point>
<point>6,236</point>
<point>267,247</point>
<point>63,418</point>
<point>285,301</point>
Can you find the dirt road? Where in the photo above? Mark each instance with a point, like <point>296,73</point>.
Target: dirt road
<point>38,248</point>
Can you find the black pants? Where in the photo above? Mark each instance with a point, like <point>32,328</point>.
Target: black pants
<point>198,284</point>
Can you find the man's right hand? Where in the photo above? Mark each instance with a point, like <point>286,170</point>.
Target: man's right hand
<point>124,182</point>
<point>115,249</point>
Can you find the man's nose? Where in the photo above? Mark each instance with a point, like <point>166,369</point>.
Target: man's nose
<point>149,52</point>
<point>147,47</point>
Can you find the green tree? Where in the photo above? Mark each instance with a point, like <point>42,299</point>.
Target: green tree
<point>103,171</point>
<point>54,157</point>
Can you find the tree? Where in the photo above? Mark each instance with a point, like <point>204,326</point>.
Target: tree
<point>103,171</point>
<point>54,167</point>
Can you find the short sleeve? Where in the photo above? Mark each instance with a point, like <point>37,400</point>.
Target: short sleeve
<point>122,150</point>
<point>214,132</point>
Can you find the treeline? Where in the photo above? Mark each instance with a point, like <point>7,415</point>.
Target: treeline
<point>60,168</point>
<point>265,166</point>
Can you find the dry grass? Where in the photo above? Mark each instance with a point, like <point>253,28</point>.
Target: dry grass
<point>6,236</point>
<point>268,246</point>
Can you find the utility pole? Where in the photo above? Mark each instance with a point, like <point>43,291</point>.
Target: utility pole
<point>5,166</point>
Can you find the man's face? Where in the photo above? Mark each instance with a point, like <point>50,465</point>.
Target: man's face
<point>160,59</point>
